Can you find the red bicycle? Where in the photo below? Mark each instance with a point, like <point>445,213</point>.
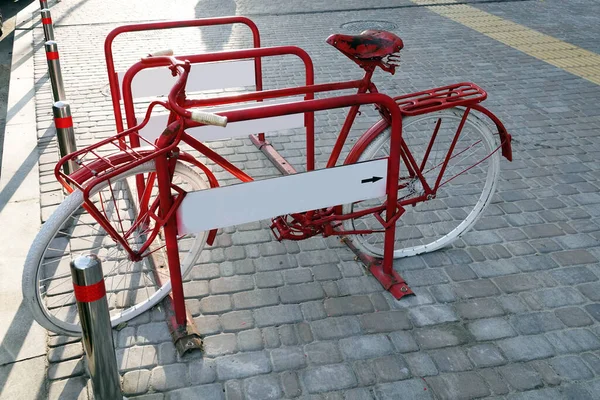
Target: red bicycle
<point>412,183</point>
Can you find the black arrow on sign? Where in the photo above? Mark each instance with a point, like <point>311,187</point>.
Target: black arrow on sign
<point>372,180</point>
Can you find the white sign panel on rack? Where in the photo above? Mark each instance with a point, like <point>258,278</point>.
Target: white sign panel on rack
<point>253,201</point>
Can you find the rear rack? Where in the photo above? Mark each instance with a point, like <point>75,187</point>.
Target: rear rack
<point>459,94</point>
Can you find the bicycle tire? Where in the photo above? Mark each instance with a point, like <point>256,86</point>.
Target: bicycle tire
<point>433,224</point>
<point>69,218</point>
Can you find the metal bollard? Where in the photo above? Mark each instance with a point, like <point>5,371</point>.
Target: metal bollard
<point>90,293</point>
<point>58,89</point>
<point>43,4</point>
<point>47,24</point>
<point>65,133</point>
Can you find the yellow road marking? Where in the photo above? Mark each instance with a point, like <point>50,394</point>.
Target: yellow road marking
<point>571,58</point>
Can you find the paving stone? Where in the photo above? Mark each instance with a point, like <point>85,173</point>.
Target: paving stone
<point>518,283</point>
<point>520,377</point>
<point>479,308</point>
<point>573,340</point>
<point>592,361</point>
<point>513,304</point>
<point>553,298</point>
<point>291,384</point>
<point>135,382</point>
<point>443,293</point>
<point>486,355</point>
<point>409,389</point>
<point>359,285</point>
<point>574,257</point>
<point>169,377</point>
<point>451,359</point>
<point>195,288</point>
<point>300,293</point>
<point>326,272</point>
<point>365,373</point>
<point>526,348</point>
<point>335,328</point>
<point>576,391</point>
<point>348,305</point>
<point>313,310</point>
<point>441,336</point>
<point>571,368</point>
<point>287,335</point>
<point>208,324</point>
<point>494,381</point>
<point>214,391</point>
<point>318,257</point>
<point>255,298</point>
<point>262,388</point>
<point>242,365</point>
<point>202,371</point>
<point>593,310</point>
<point>274,263</point>
<point>385,321</point>
<point>297,275</point>
<point>236,321</point>
<point>574,275</point>
<point>358,394</point>
<point>64,353</point>
<point>493,268</point>
<point>425,277</point>
<point>591,291</point>
<point>538,262</point>
<point>327,378</point>
<point>271,337</point>
<point>361,347</point>
<point>154,332</point>
<point>379,302</point>
<point>218,345</point>
<point>288,358</point>
<point>573,317</point>
<point>421,364</point>
<point>268,279</point>
<point>233,390</point>
<point>391,368</point>
<point>167,354</point>
<point>534,323</point>
<point>277,315</point>
<point>462,385</point>
<point>136,357</point>
<point>476,288</point>
<point>250,340</point>
<point>323,353</point>
<point>491,329</point>
<point>215,304</point>
<point>231,284</point>
<point>432,315</point>
<point>542,231</point>
<point>403,341</point>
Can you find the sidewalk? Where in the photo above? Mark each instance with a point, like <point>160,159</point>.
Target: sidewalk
<point>511,311</point>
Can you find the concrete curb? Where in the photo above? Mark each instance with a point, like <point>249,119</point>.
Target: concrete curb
<point>23,350</point>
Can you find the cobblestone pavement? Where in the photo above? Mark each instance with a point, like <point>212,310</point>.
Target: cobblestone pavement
<point>511,310</point>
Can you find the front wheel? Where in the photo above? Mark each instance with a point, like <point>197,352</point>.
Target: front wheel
<point>466,186</point>
<point>71,231</point>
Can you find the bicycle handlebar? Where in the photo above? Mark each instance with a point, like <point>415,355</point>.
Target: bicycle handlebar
<point>182,68</point>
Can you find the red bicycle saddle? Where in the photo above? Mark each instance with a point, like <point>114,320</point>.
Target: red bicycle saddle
<point>369,45</point>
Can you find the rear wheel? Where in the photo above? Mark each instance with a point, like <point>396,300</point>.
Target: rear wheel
<point>71,231</point>
<point>466,187</point>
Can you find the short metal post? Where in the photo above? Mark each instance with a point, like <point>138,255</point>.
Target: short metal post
<point>47,24</point>
<point>58,89</point>
<point>90,294</point>
<point>43,4</point>
<point>65,133</point>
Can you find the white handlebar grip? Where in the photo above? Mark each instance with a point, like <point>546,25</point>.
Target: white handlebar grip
<point>209,118</point>
<point>166,52</point>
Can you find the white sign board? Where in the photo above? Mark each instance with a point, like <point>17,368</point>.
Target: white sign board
<point>157,123</point>
<point>253,201</point>
<point>159,81</point>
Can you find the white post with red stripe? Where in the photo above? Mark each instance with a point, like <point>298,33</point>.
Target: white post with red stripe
<point>65,133</point>
<point>58,88</point>
<point>47,24</point>
<point>43,4</point>
<point>90,294</point>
